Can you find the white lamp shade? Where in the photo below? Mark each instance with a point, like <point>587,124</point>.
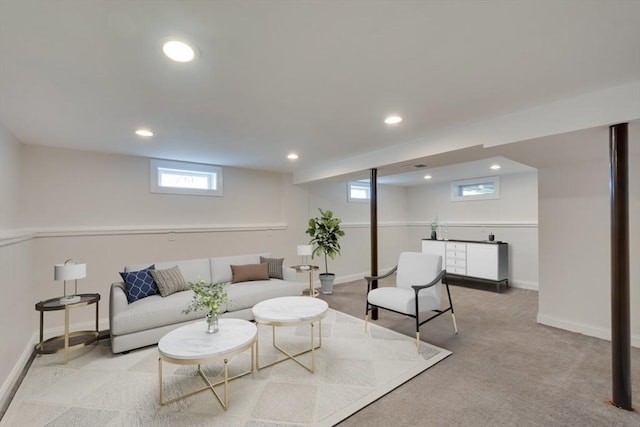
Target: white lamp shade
<point>69,271</point>
<point>305,250</point>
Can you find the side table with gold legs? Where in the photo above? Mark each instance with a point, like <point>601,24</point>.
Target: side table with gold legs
<point>69,340</point>
<point>308,269</point>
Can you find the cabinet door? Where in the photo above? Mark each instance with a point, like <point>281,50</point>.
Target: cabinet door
<point>482,261</point>
<point>434,247</point>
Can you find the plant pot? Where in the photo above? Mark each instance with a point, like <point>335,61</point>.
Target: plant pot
<point>326,282</point>
<point>434,235</point>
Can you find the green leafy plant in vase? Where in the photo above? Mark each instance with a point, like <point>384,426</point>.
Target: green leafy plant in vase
<point>434,229</point>
<point>325,235</point>
<point>209,296</point>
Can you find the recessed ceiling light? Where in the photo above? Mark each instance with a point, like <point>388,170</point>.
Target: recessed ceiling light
<point>427,177</point>
<point>495,167</point>
<point>144,132</point>
<point>292,156</point>
<point>178,51</point>
<point>393,120</point>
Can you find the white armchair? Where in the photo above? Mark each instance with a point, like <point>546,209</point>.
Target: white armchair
<point>418,290</point>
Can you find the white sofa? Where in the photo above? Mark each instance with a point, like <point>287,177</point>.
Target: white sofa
<point>145,321</point>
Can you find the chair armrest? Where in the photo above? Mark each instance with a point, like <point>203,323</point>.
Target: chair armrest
<point>369,279</point>
<point>438,278</point>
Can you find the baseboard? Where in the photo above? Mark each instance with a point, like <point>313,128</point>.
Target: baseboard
<point>523,284</point>
<point>581,328</point>
<point>7,388</point>
<point>350,277</point>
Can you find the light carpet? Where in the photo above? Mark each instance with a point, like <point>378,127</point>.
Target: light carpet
<point>353,369</point>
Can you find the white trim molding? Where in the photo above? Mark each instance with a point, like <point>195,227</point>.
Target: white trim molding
<point>493,224</point>
<point>581,328</point>
<point>11,238</point>
<point>157,229</point>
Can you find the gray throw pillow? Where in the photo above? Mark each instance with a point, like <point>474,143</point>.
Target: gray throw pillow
<point>275,267</point>
<point>169,281</point>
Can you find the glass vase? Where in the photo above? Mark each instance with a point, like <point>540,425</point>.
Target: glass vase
<point>212,323</point>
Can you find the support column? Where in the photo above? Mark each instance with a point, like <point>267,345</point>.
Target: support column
<point>620,321</point>
<point>373,182</point>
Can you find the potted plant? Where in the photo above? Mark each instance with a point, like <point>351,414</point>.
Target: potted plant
<point>325,234</point>
<point>434,229</point>
<point>209,296</point>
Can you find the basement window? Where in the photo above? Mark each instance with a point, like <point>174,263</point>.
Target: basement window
<point>476,189</point>
<point>358,192</point>
<point>185,178</point>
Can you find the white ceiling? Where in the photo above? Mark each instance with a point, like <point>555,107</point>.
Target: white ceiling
<point>314,77</point>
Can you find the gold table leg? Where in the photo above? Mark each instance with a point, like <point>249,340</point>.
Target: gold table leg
<point>292,356</point>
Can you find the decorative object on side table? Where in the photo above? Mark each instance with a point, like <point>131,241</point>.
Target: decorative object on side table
<point>434,229</point>
<point>304,251</point>
<point>325,234</point>
<point>70,270</point>
<point>209,296</point>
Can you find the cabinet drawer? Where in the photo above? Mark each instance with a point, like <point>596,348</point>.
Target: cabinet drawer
<point>456,263</point>
<point>456,254</point>
<point>456,246</point>
<point>457,270</point>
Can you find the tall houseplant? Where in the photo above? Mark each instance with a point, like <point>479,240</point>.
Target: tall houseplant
<point>325,235</point>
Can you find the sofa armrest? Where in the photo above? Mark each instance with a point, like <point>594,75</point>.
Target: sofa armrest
<point>117,299</point>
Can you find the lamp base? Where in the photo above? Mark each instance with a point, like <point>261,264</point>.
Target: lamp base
<point>70,299</point>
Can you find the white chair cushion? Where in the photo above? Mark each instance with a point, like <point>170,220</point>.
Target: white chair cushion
<point>417,268</point>
<point>403,299</point>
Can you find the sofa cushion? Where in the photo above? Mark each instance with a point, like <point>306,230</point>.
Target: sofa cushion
<point>139,284</point>
<point>221,266</point>
<point>249,272</point>
<point>275,267</point>
<point>247,294</point>
<point>153,312</point>
<point>169,281</point>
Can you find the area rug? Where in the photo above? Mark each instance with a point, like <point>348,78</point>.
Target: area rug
<point>97,388</point>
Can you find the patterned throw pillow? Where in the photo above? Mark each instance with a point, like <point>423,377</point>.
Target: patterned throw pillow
<point>139,284</point>
<point>169,281</point>
<point>275,267</point>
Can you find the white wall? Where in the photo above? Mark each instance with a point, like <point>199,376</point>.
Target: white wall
<point>512,218</point>
<point>575,255</point>
<point>18,318</point>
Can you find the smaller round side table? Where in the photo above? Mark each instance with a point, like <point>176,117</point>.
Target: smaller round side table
<point>308,269</point>
<point>69,340</point>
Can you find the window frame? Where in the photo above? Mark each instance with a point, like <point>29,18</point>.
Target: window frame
<point>156,167</point>
<point>456,194</point>
<point>362,185</point>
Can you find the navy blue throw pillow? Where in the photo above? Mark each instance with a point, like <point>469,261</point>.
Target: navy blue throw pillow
<point>139,284</point>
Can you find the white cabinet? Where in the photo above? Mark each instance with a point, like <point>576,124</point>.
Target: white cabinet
<point>471,260</point>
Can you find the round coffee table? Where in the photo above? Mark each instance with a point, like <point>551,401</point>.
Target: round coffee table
<point>291,311</point>
<point>191,345</point>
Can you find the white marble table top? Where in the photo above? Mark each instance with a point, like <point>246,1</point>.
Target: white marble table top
<point>192,341</point>
<point>290,310</point>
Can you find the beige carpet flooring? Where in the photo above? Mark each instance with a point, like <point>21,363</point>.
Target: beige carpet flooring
<point>97,388</point>
<point>505,370</point>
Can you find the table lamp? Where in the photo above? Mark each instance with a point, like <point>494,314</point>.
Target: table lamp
<point>70,270</point>
<point>304,251</point>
